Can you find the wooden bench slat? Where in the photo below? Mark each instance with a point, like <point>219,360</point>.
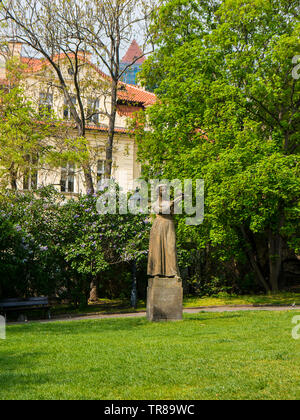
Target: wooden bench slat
<point>20,303</point>
<point>11,300</point>
<point>7,305</point>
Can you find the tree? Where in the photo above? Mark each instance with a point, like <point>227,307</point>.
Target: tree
<point>93,244</point>
<point>31,138</point>
<point>58,247</point>
<point>31,264</point>
<point>11,254</point>
<point>107,26</point>
<point>63,31</point>
<point>23,133</point>
<point>229,113</point>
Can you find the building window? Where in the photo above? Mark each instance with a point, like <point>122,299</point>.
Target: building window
<point>67,180</point>
<point>93,111</point>
<point>67,111</point>
<point>45,103</point>
<point>30,177</point>
<point>100,172</point>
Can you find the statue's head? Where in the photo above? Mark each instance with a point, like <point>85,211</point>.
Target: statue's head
<point>162,190</point>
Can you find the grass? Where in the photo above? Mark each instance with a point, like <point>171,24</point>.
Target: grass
<point>108,306</point>
<point>239,355</point>
<point>283,298</point>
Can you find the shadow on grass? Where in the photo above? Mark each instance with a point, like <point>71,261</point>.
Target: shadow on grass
<point>86,326</point>
<point>19,374</point>
<point>106,325</point>
<point>215,316</point>
<point>14,368</point>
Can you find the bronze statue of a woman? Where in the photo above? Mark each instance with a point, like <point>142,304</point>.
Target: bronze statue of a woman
<point>162,260</point>
<point>164,293</point>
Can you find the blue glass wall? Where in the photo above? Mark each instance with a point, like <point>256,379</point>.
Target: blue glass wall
<point>130,75</point>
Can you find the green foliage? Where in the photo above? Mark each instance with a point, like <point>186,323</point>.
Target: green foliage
<point>41,269</point>
<point>30,138</point>
<point>11,252</point>
<point>57,247</point>
<point>23,137</point>
<point>52,246</point>
<point>228,112</point>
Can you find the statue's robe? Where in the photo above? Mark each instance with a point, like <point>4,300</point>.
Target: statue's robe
<point>162,260</point>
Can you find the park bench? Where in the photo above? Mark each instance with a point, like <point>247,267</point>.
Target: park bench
<point>21,305</point>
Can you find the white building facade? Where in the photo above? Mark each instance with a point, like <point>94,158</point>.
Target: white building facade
<point>41,85</point>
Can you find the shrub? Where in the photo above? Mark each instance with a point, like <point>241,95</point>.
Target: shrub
<point>55,247</point>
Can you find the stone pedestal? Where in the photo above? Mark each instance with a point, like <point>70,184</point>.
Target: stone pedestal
<point>164,299</point>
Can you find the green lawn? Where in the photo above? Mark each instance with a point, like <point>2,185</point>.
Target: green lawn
<point>239,355</point>
<point>122,306</point>
<point>283,298</point>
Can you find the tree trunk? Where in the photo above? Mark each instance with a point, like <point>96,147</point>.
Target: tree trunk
<point>13,180</point>
<point>133,287</point>
<point>111,129</point>
<point>275,258</point>
<point>88,179</point>
<point>80,123</point>
<point>94,291</point>
<point>253,260</point>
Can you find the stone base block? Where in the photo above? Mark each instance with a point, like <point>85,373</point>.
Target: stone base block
<point>164,299</point>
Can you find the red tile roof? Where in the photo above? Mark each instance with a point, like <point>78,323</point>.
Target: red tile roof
<point>105,129</point>
<point>37,64</point>
<point>128,110</point>
<point>134,51</point>
<point>128,93</point>
<point>134,94</point>
<point>32,63</point>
